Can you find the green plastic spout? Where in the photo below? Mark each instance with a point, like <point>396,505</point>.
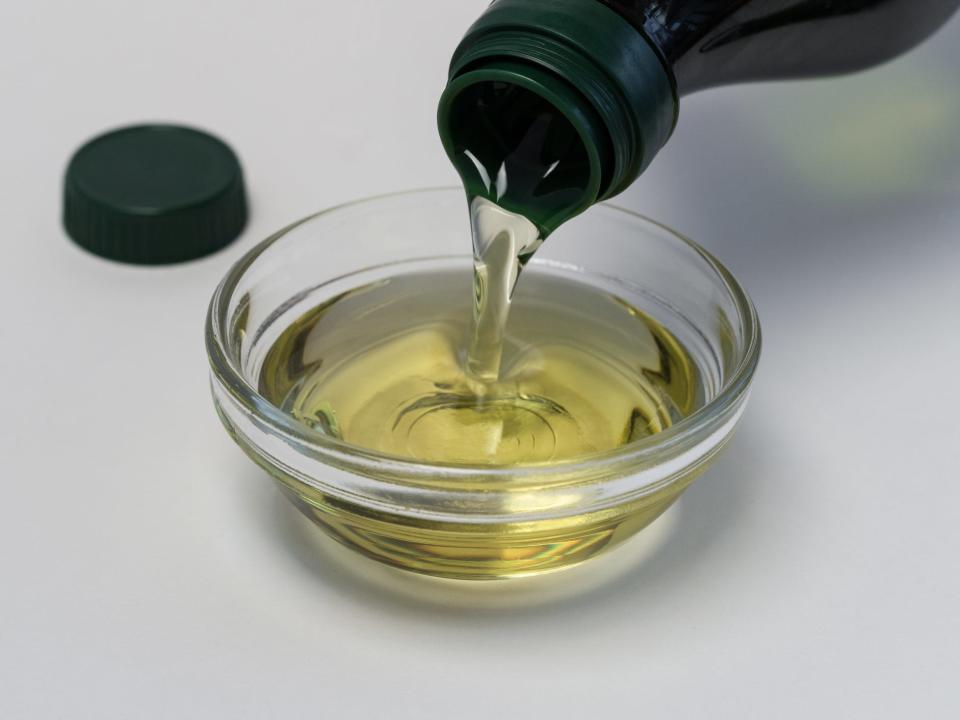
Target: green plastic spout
<point>591,66</point>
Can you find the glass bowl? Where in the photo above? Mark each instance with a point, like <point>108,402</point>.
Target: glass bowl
<point>496,521</point>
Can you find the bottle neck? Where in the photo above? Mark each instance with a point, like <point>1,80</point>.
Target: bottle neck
<point>613,71</point>
<point>588,64</point>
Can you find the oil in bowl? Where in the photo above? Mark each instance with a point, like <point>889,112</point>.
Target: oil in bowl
<point>339,361</point>
<point>382,366</point>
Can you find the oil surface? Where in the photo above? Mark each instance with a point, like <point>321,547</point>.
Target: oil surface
<point>383,367</point>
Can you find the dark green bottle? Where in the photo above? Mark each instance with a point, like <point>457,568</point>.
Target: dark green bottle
<point>554,105</point>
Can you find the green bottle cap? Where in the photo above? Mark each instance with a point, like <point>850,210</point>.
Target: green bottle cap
<point>154,194</point>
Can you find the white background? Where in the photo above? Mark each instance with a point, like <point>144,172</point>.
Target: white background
<point>148,570</point>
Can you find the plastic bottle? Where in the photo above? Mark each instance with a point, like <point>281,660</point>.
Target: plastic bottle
<point>566,102</point>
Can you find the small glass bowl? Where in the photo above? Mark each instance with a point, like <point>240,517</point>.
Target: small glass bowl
<point>497,521</point>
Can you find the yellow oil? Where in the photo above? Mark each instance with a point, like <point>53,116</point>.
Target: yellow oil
<point>479,551</point>
<point>487,372</point>
<point>382,367</point>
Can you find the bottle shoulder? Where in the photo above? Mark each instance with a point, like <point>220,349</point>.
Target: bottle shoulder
<point>716,42</point>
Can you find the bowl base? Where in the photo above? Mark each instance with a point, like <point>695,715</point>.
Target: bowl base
<point>480,551</point>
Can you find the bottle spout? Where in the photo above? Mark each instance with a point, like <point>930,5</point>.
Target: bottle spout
<point>572,75</point>
<point>525,139</point>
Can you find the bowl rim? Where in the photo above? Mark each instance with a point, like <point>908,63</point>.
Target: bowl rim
<point>387,468</point>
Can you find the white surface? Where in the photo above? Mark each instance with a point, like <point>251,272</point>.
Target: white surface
<point>149,571</point>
